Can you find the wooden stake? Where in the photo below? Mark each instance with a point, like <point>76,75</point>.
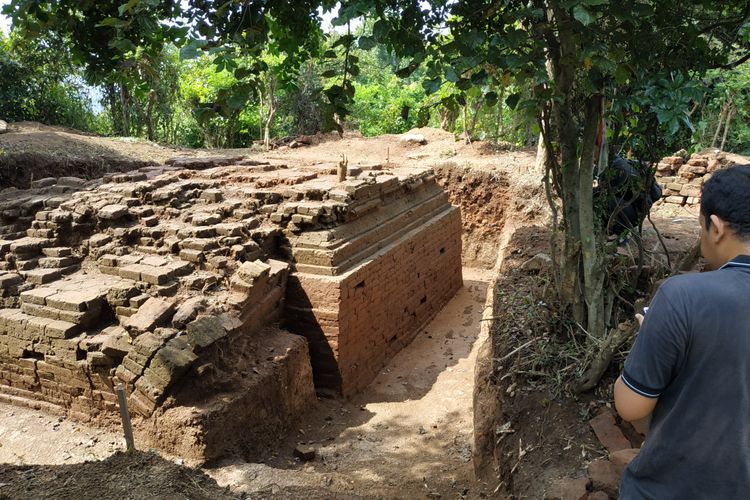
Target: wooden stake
<point>125,415</point>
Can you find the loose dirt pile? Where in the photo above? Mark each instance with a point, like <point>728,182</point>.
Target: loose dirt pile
<point>133,475</point>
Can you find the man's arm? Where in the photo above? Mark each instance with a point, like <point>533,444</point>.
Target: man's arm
<point>630,405</point>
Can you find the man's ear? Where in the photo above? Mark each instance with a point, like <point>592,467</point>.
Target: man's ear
<point>718,229</point>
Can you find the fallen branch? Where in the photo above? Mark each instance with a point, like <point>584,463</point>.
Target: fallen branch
<point>517,349</point>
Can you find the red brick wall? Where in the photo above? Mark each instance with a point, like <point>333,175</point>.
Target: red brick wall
<point>356,322</point>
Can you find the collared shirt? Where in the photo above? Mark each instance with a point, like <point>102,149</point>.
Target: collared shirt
<point>693,353</point>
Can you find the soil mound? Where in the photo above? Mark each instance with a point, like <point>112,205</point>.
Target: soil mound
<point>123,475</point>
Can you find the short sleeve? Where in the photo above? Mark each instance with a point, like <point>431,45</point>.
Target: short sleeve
<point>659,348</point>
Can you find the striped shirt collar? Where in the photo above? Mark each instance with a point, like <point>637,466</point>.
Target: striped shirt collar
<point>739,261</point>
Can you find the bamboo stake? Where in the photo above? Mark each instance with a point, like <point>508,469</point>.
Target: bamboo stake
<point>125,415</point>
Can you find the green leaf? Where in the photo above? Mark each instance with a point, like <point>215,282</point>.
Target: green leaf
<point>406,71</point>
<point>329,73</point>
<point>345,40</point>
<point>380,30</point>
<point>431,86</point>
<point>490,98</point>
<point>191,50</point>
<point>451,75</point>
<point>366,42</point>
<point>582,14</point>
<point>237,101</point>
<point>512,100</point>
<point>330,54</point>
<point>126,7</point>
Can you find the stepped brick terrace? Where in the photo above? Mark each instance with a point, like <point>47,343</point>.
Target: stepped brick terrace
<point>221,292</point>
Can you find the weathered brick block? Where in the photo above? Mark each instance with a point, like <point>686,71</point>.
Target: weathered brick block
<point>154,312</point>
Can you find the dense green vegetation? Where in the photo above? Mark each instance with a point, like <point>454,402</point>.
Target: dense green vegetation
<point>41,80</point>
<point>182,101</point>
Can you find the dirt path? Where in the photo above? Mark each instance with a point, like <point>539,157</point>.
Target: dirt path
<point>32,437</point>
<point>409,435</point>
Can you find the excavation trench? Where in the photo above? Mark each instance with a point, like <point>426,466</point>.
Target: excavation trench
<point>409,433</point>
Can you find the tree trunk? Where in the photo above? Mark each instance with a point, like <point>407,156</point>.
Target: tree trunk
<point>730,113</point>
<point>111,95</point>
<point>467,140</point>
<point>723,113</point>
<point>271,101</point>
<point>499,126</point>
<point>125,109</point>
<point>150,114</point>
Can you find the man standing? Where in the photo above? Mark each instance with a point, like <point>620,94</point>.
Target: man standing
<point>690,365</point>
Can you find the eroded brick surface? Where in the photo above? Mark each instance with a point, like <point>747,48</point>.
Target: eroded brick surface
<point>159,279</point>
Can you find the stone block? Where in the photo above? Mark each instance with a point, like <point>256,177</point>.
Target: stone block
<point>189,255</point>
<point>61,329</point>
<point>44,182</point>
<point>78,300</point>
<point>42,276</point>
<point>57,262</point>
<point>252,271</point>
<point>125,375</point>
<point>125,312</point>
<point>29,245</point>
<point>568,488</point>
<point>75,182</point>
<point>229,229</point>
<point>40,311</point>
<point>112,212</point>
<point>604,477</point>
<point>99,240</point>
<point>677,200</point>
<point>697,162</point>
<point>691,190</point>
<point>212,195</point>
<point>9,280</point>
<point>187,311</point>
<point>170,363</point>
<point>141,404</point>
<point>139,300</point>
<point>698,170</point>
<point>156,275</point>
<point>622,458</point>
<point>204,331</point>
<point>37,295</point>
<point>202,244</point>
<point>121,293</point>
<point>154,312</point>
<point>201,219</point>
<point>608,433</point>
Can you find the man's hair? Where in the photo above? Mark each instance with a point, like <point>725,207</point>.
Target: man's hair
<point>727,195</point>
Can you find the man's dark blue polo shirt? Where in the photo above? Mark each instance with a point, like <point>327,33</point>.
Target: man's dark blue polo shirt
<point>693,353</point>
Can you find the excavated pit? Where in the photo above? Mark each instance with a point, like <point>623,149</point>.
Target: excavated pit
<point>482,196</point>
<point>193,284</point>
